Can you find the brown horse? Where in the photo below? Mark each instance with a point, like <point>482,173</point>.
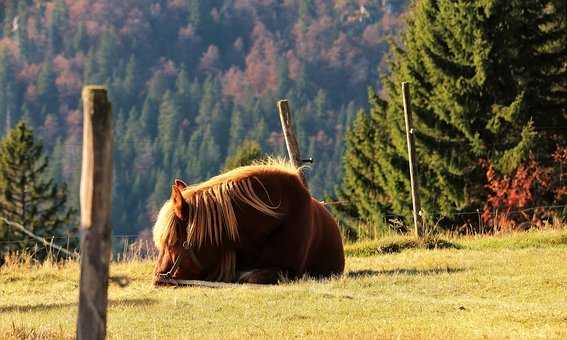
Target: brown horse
<point>254,224</point>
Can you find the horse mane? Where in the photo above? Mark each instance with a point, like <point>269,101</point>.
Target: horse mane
<point>211,205</point>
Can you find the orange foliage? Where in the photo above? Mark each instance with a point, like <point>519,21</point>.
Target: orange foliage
<point>560,179</point>
<point>233,84</point>
<point>293,65</point>
<point>29,73</point>
<point>521,197</point>
<point>210,59</point>
<point>262,62</point>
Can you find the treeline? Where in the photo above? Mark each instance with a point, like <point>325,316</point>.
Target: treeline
<point>489,94</point>
<point>189,80</point>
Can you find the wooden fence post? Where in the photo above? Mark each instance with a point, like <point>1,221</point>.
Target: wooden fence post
<point>417,220</point>
<point>289,135</point>
<point>96,193</point>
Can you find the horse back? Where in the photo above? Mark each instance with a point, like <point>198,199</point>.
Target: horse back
<point>304,238</point>
<point>327,253</point>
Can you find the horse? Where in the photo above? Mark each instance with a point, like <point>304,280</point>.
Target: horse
<point>254,224</point>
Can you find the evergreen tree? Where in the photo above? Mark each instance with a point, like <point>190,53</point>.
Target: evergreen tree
<point>131,81</point>
<point>46,89</point>
<point>7,91</point>
<point>196,15</point>
<point>80,39</point>
<point>245,154</point>
<point>237,132</point>
<point>476,95</point>
<point>21,32</point>
<point>183,90</point>
<point>168,124</point>
<point>106,54</point>
<point>56,26</point>
<point>26,196</point>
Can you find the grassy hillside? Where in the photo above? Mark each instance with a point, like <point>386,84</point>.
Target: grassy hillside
<point>512,286</point>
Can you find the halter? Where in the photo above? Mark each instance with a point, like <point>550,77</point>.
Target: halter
<point>167,277</point>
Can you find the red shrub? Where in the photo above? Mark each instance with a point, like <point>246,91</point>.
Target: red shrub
<point>520,198</point>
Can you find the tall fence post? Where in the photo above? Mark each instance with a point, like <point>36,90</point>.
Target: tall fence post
<point>289,135</point>
<point>417,220</point>
<point>96,193</point>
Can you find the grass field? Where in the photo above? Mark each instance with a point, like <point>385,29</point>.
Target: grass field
<point>512,286</point>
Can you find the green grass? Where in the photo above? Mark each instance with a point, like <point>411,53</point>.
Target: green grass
<point>510,286</point>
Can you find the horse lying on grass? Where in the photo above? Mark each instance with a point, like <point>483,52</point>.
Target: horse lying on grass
<point>254,224</point>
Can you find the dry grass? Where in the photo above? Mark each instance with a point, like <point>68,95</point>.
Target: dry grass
<point>512,286</point>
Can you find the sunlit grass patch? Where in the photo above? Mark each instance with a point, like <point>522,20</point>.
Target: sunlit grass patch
<point>519,240</point>
<point>398,243</point>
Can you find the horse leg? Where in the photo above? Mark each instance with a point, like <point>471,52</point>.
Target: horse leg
<point>262,276</point>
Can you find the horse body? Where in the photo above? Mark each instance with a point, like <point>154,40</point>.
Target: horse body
<point>279,229</point>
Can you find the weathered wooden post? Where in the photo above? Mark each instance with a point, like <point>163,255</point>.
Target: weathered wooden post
<point>96,193</point>
<point>289,135</point>
<point>417,220</point>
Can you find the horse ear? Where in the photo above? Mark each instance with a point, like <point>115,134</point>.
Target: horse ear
<point>178,201</point>
<point>180,184</point>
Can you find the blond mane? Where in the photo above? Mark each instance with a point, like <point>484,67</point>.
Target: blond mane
<point>211,205</point>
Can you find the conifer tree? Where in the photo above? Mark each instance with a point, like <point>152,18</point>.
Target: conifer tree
<point>46,89</point>
<point>168,124</point>
<point>80,39</point>
<point>245,154</point>
<point>27,197</point>
<point>106,54</point>
<point>183,90</point>
<point>21,32</point>
<point>131,80</point>
<point>7,91</point>
<point>479,91</point>
<point>236,132</point>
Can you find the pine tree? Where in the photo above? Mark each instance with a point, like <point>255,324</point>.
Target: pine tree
<point>197,14</point>
<point>131,80</point>
<point>80,39</point>
<point>237,132</point>
<point>21,32</point>
<point>245,154</point>
<point>46,89</point>
<point>476,95</point>
<point>168,124</point>
<point>27,197</point>
<point>106,54</point>
<point>56,26</point>
<point>183,91</point>
<point>7,91</point>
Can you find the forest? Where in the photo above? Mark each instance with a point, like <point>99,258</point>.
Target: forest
<point>190,81</point>
<point>194,84</point>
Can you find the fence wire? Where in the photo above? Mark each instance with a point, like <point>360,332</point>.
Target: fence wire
<point>125,247</point>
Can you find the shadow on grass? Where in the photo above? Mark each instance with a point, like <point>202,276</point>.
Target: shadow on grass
<point>397,245</point>
<point>45,307</point>
<point>402,271</point>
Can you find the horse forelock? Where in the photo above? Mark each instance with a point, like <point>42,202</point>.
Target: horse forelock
<point>164,231</point>
<point>212,218</point>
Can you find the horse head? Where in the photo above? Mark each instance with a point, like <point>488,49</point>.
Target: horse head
<point>177,260</point>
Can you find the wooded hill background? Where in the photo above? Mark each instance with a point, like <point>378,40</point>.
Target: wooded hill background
<point>189,81</point>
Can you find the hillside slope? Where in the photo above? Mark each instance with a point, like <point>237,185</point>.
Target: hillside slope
<point>189,81</point>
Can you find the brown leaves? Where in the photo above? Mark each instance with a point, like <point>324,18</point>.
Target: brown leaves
<point>523,195</point>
